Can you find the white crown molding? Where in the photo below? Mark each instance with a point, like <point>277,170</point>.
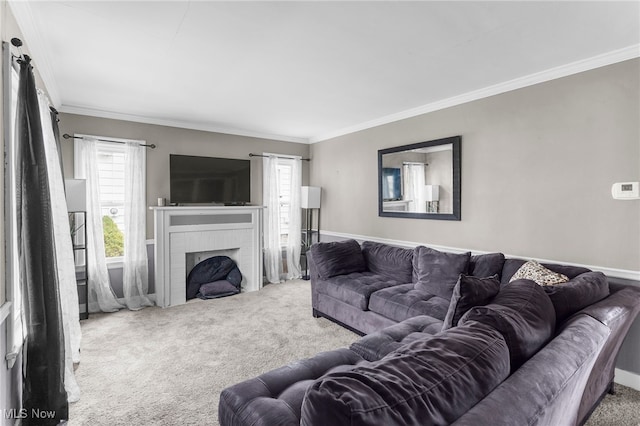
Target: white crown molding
<point>176,123</point>
<point>598,61</point>
<point>24,16</point>
<point>39,54</point>
<point>610,272</point>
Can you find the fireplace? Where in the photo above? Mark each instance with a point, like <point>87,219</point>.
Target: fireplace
<point>185,234</point>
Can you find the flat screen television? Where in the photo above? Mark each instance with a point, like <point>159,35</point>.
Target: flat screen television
<point>391,184</point>
<point>199,180</point>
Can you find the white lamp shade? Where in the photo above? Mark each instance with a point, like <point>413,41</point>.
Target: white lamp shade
<point>76,190</point>
<point>432,192</point>
<point>310,197</point>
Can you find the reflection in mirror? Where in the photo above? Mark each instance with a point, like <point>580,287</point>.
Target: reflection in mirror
<point>421,180</point>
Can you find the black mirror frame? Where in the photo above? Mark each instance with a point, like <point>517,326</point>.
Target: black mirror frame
<point>455,141</point>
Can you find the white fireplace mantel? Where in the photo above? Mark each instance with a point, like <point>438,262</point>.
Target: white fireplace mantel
<point>179,231</point>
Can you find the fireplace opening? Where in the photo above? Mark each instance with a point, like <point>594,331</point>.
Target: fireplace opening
<point>214,277</point>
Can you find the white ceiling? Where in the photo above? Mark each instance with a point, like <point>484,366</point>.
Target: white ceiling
<point>307,71</point>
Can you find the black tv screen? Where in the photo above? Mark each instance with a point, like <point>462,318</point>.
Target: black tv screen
<point>209,180</point>
<point>391,184</point>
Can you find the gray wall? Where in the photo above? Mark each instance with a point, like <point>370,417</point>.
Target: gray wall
<point>172,140</point>
<point>537,167</point>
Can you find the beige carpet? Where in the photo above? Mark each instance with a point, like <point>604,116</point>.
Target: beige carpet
<point>168,366</point>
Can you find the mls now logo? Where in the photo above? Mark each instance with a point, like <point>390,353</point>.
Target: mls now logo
<point>15,413</point>
<point>23,413</point>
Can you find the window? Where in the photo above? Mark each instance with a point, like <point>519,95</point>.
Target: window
<point>111,173</point>
<point>284,195</point>
<point>111,184</point>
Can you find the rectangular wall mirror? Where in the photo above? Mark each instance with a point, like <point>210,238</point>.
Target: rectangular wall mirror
<point>421,180</point>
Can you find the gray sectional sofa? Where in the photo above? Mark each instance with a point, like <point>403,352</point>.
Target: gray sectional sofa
<point>450,339</point>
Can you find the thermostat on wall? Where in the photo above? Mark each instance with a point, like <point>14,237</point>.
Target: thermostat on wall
<point>626,190</point>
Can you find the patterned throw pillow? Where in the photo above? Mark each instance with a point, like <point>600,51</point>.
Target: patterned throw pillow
<point>534,271</point>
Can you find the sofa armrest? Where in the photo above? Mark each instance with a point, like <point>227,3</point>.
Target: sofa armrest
<point>314,277</point>
<point>622,302</point>
<point>617,312</point>
<point>548,388</point>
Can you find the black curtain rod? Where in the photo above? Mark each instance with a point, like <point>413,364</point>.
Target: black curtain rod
<point>277,156</point>
<point>68,136</point>
<point>16,42</point>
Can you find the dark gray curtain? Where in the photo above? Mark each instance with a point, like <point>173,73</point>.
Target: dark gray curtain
<point>56,135</point>
<point>43,353</point>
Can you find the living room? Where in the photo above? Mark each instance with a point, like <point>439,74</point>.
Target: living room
<point>540,153</point>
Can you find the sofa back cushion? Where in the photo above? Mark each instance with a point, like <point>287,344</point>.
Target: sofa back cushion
<point>512,265</point>
<point>580,292</point>
<point>469,292</point>
<point>524,315</point>
<point>429,381</point>
<point>337,258</point>
<point>486,265</point>
<point>437,272</point>
<point>389,261</point>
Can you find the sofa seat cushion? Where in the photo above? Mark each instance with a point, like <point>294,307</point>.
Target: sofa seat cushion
<point>428,382</point>
<point>276,397</point>
<point>437,272</point>
<point>390,261</point>
<point>375,346</point>
<point>355,288</point>
<point>405,301</point>
<point>525,316</point>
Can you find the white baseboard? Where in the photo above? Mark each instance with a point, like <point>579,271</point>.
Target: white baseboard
<point>610,272</point>
<point>627,378</point>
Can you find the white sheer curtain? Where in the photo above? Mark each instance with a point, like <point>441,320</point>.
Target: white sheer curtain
<point>414,186</point>
<point>282,182</point>
<point>16,331</point>
<point>101,296</point>
<point>294,239</point>
<point>64,252</point>
<point>135,274</point>
<point>271,199</point>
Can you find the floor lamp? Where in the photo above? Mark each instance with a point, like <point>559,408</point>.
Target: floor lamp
<point>76,196</point>
<point>309,200</point>
<point>433,198</point>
